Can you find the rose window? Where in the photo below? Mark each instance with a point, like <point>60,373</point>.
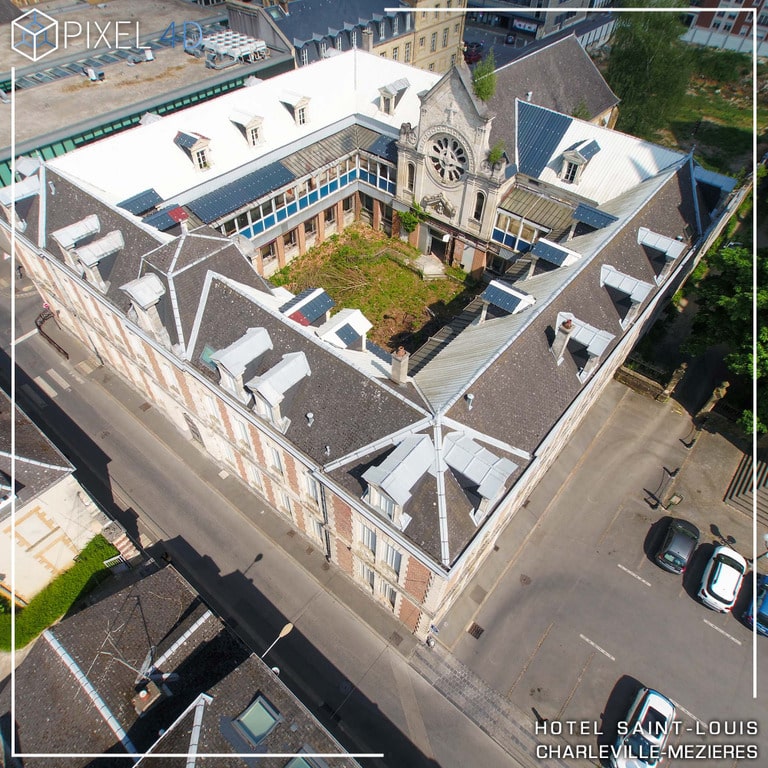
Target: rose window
<point>448,158</point>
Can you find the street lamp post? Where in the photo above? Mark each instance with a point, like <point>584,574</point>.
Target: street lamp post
<point>283,632</point>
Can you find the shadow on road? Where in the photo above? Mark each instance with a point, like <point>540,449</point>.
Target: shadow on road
<point>616,709</point>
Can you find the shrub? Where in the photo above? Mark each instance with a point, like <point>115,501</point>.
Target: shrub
<point>59,596</point>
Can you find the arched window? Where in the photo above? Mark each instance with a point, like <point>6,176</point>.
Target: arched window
<point>411,180</point>
<point>479,206</point>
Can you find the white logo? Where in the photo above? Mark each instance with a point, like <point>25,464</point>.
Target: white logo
<point>34,35</point>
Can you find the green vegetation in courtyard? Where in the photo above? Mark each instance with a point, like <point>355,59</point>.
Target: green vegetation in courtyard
<point>365,270</point>
<point>59,596</point>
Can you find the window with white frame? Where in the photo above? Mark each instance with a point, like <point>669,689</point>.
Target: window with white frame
<point>200,157</point>
<point>410,180</point>
<point>433,42</point>
<point>368,537</point>
<point>382,30</point>
<point>381,501</point>
<point>338,42</point>
<point>285,502</point>
<point>353,38</point>
<point>395,53</point>
<point>242,433</point>
<point>276,460</point>
<point>253,135</point>
<point>395,25</point>
<point>210,406</point>
<point>389,593</point>
<point>229,454</point>
<point>445,37</point>
<point>318,529</point>
<point>393,558</point>
<point>407,22</point>
<point>304,56</point>
<point>407,52</point>
<point>313,489</point>
<point>369,577</point>
<point>301,115</point>
<point>323,48</point>
<point>569,173</point>
<point>254,476</point>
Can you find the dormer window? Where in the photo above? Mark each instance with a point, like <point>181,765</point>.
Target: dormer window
<point>390,95</point>
<point>195,147</point>
<point>569,172</point>
<point>297,105</point>
<point>575,159</point>
<point>249,124</point>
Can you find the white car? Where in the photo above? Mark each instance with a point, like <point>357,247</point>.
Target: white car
<point>643,735</point>
<point>722,579</point>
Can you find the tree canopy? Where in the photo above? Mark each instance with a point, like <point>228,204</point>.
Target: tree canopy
<point>484,77</point>
<point>648,69</point>
<point>725,298</point>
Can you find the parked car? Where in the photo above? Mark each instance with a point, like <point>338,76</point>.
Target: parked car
<point>473,52</point>
<point>643,733</point>
<point>722,579</point>
<point>679,544</point>
<point>757,613</point>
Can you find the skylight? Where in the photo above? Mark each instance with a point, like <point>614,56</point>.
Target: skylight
<point>256,722</point>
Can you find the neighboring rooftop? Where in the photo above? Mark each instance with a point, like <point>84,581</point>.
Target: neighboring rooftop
<point>205,692</point>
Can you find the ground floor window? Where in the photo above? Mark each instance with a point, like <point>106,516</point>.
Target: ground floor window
<point>330,215</point>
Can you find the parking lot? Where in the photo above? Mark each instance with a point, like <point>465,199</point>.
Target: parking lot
<point>574,613</point>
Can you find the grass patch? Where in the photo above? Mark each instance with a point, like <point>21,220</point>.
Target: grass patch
<point>59,596</point>
<point>365,270</point>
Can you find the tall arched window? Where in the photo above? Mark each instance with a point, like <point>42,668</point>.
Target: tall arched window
<point>411,180</point>
<point>479,206</point>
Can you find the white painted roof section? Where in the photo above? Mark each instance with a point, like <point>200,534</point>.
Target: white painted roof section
<point>273,385</point>
<point>126,163</point>
<point>145,291</point>
<point>636,289</point>
<point>622,162</point>
<point>354,317</point>
<point>251,345</point>
<point>95,251</point>
<point>67,236</point>
<point>669,247</point>
<point>478,464</point>
<point>22,190</point>
<point>26,166</point>
<point>595,340</point>
<point>243,117</point>
<point>403,468</point>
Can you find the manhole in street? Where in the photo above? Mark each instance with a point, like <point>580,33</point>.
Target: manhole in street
<point>395,639</point>
<point>475,630</point>
<point>145,406</point>
<point>525,580</point>
<point>290,534</point>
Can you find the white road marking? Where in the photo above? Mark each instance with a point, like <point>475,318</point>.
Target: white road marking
<point>60,380</point>
<point>634,575</point>
<point>45,386</point>
<point>26,336</point>
<point>597,647</point>
<point>722,632</point>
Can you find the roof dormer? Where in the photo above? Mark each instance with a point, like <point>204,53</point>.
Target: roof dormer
<point>297,105</point>
<point>390,95</point>
<point>145,293</point>
<point>390,483</point>
<point>575,159</point>
<point>68,237</point>
<point>270,389</point>
<point>347,329</point>
<point>250,126</point>
<point>195,147</point>
<point>660,246</point>
<point>96,253</point>
<point>588,343</point>
<point>630,292</point>
<point>233,361</point>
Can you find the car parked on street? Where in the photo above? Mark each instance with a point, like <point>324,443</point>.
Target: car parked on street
<point>757,613</point>
<point>643,733</point>
<point>473,52</point>
<point>722,579</point>
<point>679,544</point>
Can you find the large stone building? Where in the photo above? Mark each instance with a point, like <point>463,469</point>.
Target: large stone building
<point>425,33</point>
<point>729,25</point>
<point>155,245</point>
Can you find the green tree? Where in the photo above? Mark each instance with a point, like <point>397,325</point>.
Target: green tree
<point>649,68</point>
<point>484,78</point>
<point>725,298</point>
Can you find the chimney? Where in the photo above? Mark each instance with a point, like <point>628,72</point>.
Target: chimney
<point>368,39</point>
<point>528,95</point>
<point>400,366</point>
<point>562,334</point>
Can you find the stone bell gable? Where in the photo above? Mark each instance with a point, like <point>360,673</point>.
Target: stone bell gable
<point>443,161</point>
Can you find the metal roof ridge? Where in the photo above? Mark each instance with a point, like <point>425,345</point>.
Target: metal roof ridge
<point>482,437</point>
<point>539,307</point>
<point>442,507</point>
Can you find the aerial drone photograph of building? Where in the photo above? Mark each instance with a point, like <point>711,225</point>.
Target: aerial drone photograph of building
<point>155,247</point>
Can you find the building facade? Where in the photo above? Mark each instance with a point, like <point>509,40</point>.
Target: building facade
<point>423,33</point>
<point>155,247</point>
<point>729,26</point>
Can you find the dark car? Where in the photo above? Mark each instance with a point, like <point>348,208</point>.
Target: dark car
<point>473,52</point>
<point>757,613</point>
<point>678,546</point>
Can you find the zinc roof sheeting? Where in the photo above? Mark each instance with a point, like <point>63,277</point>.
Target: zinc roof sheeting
<point>536,208</point>
<point>478,464</point>
<point>539,133</point>
<point>636,289</point>
<point>593,216</point>
<point>552,253</point>
<point>229,198</point>
<point>403,468</point>
<point>506,297</point>
<point>251,345</point>
<point>669,247</point>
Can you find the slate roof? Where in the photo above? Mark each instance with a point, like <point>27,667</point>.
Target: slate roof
<point>351,410</point>
<point>46,465</point>
<point>112,639</point>
<point>559,75</point>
